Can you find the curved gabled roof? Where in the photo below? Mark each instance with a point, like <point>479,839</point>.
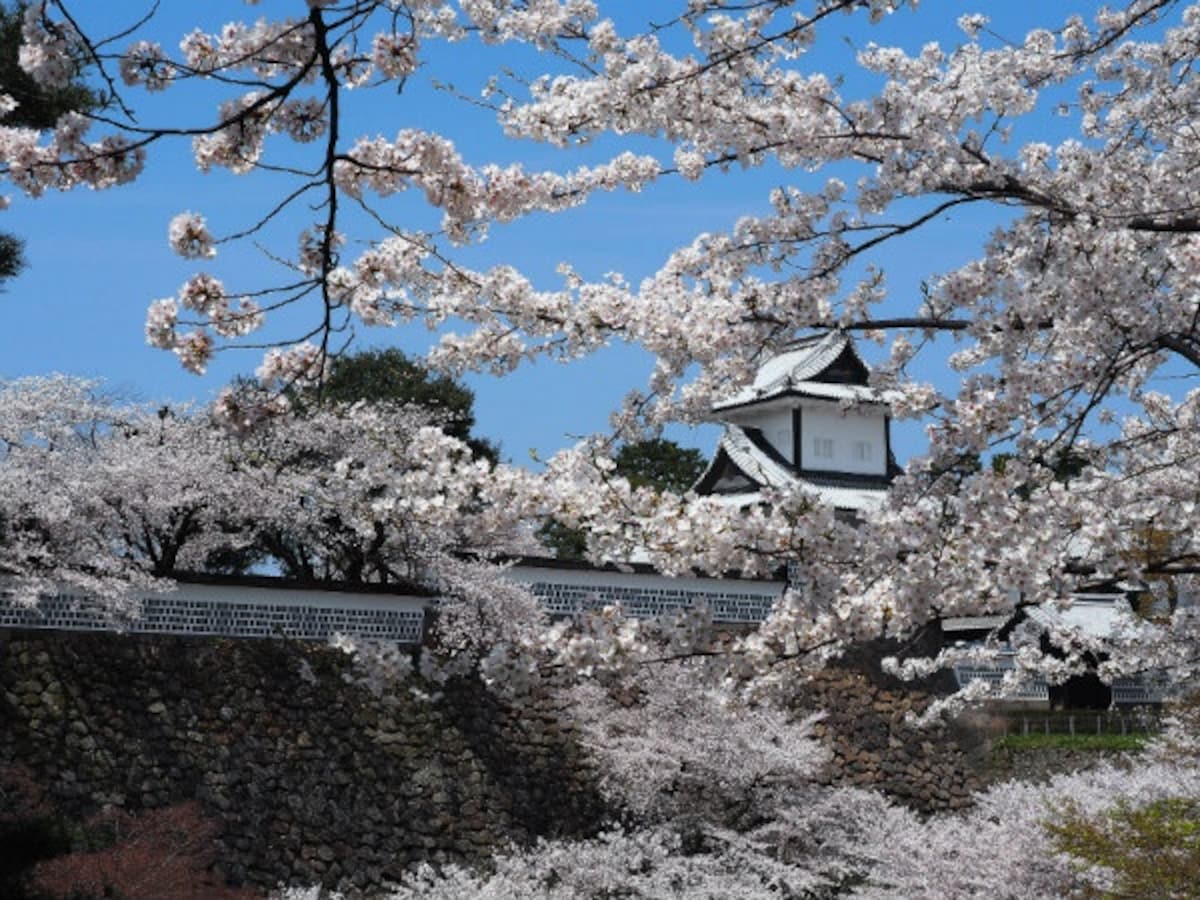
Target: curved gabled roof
<point>806,367</point>
<point>753,462</point>
<point>758,466</point>
<point>802,360</point>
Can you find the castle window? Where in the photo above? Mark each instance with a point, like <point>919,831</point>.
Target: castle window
<point>823,448</point>
<point>862,451</point>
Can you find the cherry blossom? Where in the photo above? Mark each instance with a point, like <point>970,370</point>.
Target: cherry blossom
<point>1081,297</point>
<point>113,497</point>
<point>190,237</point>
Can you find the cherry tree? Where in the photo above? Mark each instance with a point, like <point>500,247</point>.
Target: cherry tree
<point>50,432</point>
<point>105,496</point>
<point>1081,297</point>
<point>853,843</point>
<point>673,747</point>
<point>366,492</point>
<point>709,799</point>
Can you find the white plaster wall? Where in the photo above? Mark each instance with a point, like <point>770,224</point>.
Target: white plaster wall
<point>233,611</point>
<point>844,428</point>
<point>531,573</point>
<point>775,424</point>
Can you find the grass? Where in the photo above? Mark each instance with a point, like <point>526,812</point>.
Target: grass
<point>1112,743</point>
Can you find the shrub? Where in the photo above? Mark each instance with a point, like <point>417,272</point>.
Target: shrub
<point>28,831</point>
<point>158,853</point>
<point>1143,851</point>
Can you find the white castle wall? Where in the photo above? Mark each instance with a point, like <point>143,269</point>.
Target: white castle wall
<point>307,613</point>
<point>233,611</point>
<point>844,429</point>
<point>570,591</point>
<point>251,611</point>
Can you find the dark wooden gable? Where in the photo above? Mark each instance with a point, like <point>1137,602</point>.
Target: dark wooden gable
<point>846,369</point>
<point>724,477</point>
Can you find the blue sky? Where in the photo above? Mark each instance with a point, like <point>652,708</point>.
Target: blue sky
<point>98,258</point>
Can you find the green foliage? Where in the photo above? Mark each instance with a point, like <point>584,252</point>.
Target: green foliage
<point>661,464</point>
<point>389,376</point>
<point>1153,850</point>
<point>562,541</point>
<point>12,255</point>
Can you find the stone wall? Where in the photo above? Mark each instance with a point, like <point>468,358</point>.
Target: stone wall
<point>929,769</point>
<point>1043,763</point>
<point>312,779</point>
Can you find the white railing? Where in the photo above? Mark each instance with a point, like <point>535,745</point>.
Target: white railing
<point>278,609</point>
<point>1139,690</point>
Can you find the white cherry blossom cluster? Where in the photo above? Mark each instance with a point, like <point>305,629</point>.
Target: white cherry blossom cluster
<point>394,55</point>
<point>670,747</point>
<point>227,316</point>
<point>302,364</point>
<point>194,349</point>
<point>190,238</point>
<point>469,197</point>
<point>266,49</point>
<point>49,48</point>
<point>98,497</point>
<point>161,319</point>
<point>145,64</point>
<point>111,497</point>
<point>238,144</point>
<point>244,411</point>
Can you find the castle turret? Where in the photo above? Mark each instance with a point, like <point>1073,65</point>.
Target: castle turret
<point>809,420</point>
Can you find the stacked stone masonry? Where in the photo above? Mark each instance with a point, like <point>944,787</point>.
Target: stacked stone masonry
<point>873,744</point>
<point>312,779</point>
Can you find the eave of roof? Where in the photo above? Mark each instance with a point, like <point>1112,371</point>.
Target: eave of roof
<point>795,370</point>
<point>1093,616</point>
<point>277,582</point>
<point>755,464</point>
<point>973,623</point>
<point>816,390</point>
<point>626,568</point>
